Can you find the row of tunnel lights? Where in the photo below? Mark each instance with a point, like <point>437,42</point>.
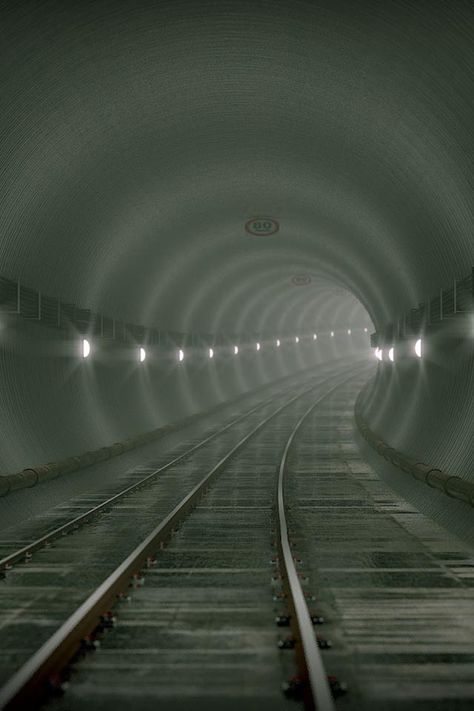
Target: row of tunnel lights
<point>418,349</point>
<point>86,347</point>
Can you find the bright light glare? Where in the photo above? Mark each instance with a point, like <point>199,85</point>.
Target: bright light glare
<point>365,330</point>
<point>236,350</point>
<point>86,348</point>
<point>418,348</point>
<point>142,355</point>
<point>349,331</point>
<point>278,343</point>
<point>391,354</point>
<point>211,353</point>
<point>297,340</point>
<point>257,346</point>
<point>378,353</point>
<point>315,335</point>
<point>180,355</point>
<point>332,334</point>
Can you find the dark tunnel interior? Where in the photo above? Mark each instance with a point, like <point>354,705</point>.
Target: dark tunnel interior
<point>204,203</point>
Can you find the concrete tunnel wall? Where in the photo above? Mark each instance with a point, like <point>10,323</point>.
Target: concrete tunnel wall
<point>56,404</point>
<point>138,139</point>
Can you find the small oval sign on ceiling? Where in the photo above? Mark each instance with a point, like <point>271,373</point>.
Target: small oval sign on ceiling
<point>262,226</point>
<point>301,280</point>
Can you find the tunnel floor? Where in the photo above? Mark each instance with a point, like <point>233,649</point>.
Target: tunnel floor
<point>395,590</point>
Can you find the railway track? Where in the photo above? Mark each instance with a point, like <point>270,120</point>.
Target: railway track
<point>96,553</point>
<point>69,522</point>
<point>66,519</point>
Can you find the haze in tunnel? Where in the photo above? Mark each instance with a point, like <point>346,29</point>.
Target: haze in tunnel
<point>138,141</point>
<point>237,328</point>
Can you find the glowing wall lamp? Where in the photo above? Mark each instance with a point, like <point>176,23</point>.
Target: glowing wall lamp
<point>257,346</point>
<point>297,340</point>
<point>278,343</point>
<point>391,354</point>
<point>142,355</point>
<point>211,353</point>
<point>378,353</point>
<point>315,335</point>
<point>86,348</point>
<point>236,350</point>
<point>419,348</point>
<point>180,355</point>
<point>332,334</point>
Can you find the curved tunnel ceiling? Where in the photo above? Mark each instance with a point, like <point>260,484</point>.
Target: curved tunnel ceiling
<point>138,139</point>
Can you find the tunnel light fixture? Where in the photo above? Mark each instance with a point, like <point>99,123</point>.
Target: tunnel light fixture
<point>391,354</point>
<point>349,331</point>
<point>86,348</point>
<point>257,346</point>
<point>332,334</point>
<point>142,354</point>
<point>378,353</point>
<point>297,339</point>
<point>419,348</point>
<point>366,330</point>
<point>278,343</point>
<point>211,352</point>
<point>180,355</point>
<point>315,336</point>
<point>236,350</point>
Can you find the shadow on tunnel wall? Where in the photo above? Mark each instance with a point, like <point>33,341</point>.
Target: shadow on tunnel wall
<point>424,408</point>
<point>138,142</point>
<point>56,404</point>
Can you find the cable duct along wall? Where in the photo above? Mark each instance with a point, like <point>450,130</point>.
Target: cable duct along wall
<point>424,409</point>
<point>417,411</point>
<point>137,142</point>
<point>57,405</point>
<point>449,484</point>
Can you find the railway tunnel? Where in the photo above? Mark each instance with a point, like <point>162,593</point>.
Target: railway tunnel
<point>236,355</point>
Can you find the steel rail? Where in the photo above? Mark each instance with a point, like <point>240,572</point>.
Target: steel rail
<point>32,682</point>
<point>316,693</point>
<point>77,521</point>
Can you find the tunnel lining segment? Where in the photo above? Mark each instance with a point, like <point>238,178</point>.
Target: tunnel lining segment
<point>448,484</point>
<point>31,679</point>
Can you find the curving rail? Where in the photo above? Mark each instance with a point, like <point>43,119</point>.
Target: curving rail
<point>35,680</point>
<point>316,693</point>
<point>77,521</point>
<point>33,475</point>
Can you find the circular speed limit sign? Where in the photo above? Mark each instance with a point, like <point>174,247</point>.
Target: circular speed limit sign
<point>262,226</point>
<point>301,280</point>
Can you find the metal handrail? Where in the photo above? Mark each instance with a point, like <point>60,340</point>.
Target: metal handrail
<point>456,300</point>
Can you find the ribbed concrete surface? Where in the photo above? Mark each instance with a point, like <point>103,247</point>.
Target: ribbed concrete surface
<point>36,597</point>
<point>136,142</point>
<point>425,408</point>
<point>397,590</point>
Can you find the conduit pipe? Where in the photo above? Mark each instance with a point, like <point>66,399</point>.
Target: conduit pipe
<point>31,476</point>
<point>449,484</point>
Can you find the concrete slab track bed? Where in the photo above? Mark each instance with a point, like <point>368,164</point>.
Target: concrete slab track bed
<point>200,626</point>
<point>237,355</point>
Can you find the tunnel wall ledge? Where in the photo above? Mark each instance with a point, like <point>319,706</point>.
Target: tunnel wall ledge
<point>31,476</point>
<point>434,477</point>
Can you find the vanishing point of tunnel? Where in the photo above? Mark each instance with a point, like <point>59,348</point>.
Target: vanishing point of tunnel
<point>237,355</point>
